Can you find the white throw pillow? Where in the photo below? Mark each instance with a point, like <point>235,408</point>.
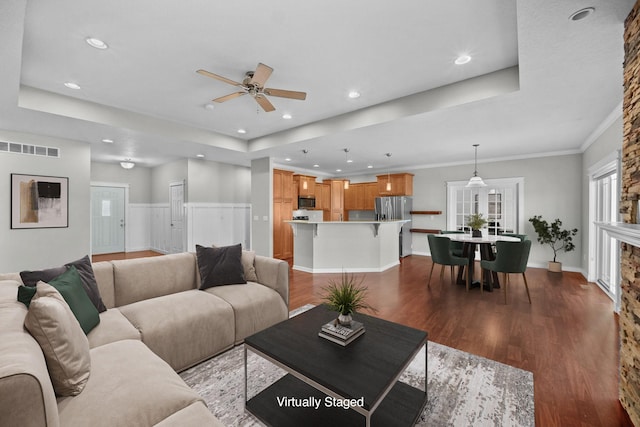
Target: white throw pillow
<point>65,346</point>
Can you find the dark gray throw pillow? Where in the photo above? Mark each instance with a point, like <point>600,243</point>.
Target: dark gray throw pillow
<point>220,266</point>
<point>83,265</point>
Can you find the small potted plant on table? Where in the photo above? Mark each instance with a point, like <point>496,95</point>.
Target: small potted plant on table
<point>476,221</point>
<point>554,236</point>
<point>346,296</point>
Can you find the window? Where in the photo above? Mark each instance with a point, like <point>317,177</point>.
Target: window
<point>501,202</point>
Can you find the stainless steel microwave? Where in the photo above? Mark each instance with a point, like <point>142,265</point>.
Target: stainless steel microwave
<point>306,202</point>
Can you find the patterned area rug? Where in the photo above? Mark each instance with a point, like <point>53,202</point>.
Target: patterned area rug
<point>463,389</point>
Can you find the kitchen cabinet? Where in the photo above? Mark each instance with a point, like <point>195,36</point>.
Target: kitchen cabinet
<point>305,185</point>
<point>370,194</point>
<point>401,184</point>
<point>282,211</point>
<point>323,196</point>
<point>336,210</point>
<point>354,197</point>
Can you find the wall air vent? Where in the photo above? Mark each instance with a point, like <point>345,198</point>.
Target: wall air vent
<point>33,150</point>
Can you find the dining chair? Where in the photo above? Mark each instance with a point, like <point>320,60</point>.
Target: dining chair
<point>441,254</point>
<point>519,236</point>
<point>456,247</point>
<point>511,257</point>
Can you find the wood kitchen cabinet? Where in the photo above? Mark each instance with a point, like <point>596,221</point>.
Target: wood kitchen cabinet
<point>305,185</point>
<point>401,184</point>
<point>354,197</point>
<point>336,210</point>
<point>370,194</point>
<point>282,211</point>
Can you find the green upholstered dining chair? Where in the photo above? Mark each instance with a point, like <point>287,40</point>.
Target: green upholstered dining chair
<point>456,247</point>
<point>519,236</point>
<point>441,254</point>
<point>511,257</point>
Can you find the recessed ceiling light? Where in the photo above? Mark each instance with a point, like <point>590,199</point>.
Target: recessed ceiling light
<point>338,170</point>
<point>72,85</point>
<point>462,59</point>
<point>354,94</point>
<point>369,166</point>
<point>242,131</point>
<point>107,141</point>
<point>582,13</point>
<point>200,156</point>
<point>287,116</point>
<point>97,43</point>
<point>287,159</point>
<point>209,107</point>
<point>316,165</point>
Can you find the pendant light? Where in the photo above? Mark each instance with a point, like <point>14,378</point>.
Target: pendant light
<point>476,181</point>
<point>346,155</point>
<point>304,179</point>
<point>388,188</point>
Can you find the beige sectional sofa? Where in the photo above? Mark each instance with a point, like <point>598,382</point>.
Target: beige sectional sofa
<point>157,322</point>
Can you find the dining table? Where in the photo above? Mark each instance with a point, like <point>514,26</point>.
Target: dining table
<point>485,244</point>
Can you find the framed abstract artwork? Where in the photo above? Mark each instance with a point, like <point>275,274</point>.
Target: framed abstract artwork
<point>39,201</point>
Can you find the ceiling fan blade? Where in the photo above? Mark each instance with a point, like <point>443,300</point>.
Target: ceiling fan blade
<point>260,76</point>
<point>286,93</point>
<point>217,77</point>
<point>230,96</point>
<point>264,103</point>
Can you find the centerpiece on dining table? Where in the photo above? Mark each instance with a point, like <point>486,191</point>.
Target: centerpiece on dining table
<point>476,221</point>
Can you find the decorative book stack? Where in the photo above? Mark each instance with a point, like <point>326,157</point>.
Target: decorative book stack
<point>340,334</point>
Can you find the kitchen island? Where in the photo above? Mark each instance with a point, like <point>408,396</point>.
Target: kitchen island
<point>349,246</point>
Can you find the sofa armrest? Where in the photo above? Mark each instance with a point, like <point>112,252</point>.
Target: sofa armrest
<point>273,273</point>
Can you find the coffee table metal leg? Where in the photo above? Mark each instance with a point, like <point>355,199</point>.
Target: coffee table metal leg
<point>245,376</point>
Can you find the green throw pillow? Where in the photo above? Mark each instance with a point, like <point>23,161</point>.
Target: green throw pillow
<point>69,284</point>
<point>25,294</point>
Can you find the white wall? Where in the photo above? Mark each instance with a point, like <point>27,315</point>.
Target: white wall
<point>138,178</point>
<point>34,249</point>
<point>552,188</point>
<point>262,206</point>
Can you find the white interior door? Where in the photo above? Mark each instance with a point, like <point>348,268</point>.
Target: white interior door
<point>107,219</point>
<point>177,217</point>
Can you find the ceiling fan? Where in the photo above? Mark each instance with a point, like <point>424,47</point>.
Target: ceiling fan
<point>253,84</point>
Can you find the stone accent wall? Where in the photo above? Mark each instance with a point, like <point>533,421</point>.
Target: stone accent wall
<point>630,255</point>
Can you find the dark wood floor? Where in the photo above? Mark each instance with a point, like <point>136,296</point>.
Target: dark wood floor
<point>568,336</point>
<point>123,255</point>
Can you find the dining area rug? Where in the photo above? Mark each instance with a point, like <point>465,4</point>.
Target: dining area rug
<point>462,389</point>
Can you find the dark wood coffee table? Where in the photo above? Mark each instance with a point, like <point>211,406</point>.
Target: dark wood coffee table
<point>366,370</point>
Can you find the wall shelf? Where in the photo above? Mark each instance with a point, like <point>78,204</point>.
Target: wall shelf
<point>424,230</point>
<point>425,212</point>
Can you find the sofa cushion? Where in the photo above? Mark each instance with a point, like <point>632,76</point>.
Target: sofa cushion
<point>183,328</point>
<point>64,344</point>
<point>27,398</point>
<point>129,386</point>
<point>103,272</point>
<point>113,327</point>
<point>83,265</point>
<point>144,278</point>
<point>255,307</point>
<point>220,265</point>
<point>248,266</point>
<point>195,414</point>
<point>70,286</point>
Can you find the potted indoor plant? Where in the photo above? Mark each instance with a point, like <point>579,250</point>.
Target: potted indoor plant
<point>553,235</point>
<point>346,296</point>
<point>476,221</point>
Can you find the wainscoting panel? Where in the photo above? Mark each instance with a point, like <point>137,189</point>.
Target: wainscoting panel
<point>160,233</point>
<point>218,223</point>
<point>138,237</point>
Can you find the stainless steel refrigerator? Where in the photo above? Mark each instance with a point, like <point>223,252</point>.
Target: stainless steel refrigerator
<point>397,208</point>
